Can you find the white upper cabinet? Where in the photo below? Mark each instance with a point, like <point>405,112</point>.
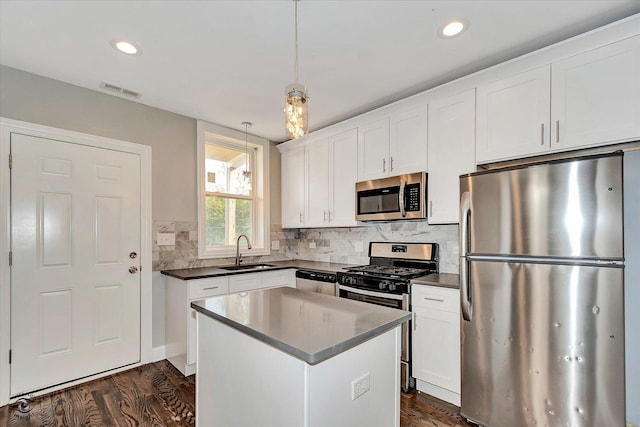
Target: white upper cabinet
<point>513,116</point>
<point>595,96</point>
<point>317,160</point>
<point>589,99</point>
<point>343,174</point>
<point>293,188</point>
<point>393,145</point>
<point>408,141</point>
<point>451,153</point>
<point>373,150</point>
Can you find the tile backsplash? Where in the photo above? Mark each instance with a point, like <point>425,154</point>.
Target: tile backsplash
<point>339,245</point>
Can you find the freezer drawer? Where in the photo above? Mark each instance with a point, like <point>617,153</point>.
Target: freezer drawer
<point>567,209</point>
<point>544,346</point>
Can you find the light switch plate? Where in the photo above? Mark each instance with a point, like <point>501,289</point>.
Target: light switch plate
<point>275,245</point>
<point>166,239</point>
<point>358,246</point>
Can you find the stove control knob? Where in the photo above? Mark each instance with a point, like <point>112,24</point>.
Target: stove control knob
<point>381,285</point>
<point>392,287</point>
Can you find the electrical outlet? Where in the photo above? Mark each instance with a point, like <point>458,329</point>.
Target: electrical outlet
<point>358,246</point>
<point>275,245</point>
<point>166,239</point>
<point>312,245</point>
<point>360,386</point>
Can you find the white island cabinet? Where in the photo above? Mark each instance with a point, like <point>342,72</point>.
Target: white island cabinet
<point>286,357</point>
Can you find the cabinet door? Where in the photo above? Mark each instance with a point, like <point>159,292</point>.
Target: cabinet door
<point>436,348</point>
<point>244,282</point>
<point>373,150</point>
<point>451,153</point>
<point>408,141</point>
<point>343,174</point>
<point>317,161</point>
<point>292,187</point>
<point>513,116</point>
<point>595,96</point>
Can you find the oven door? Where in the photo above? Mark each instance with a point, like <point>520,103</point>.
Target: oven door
<point>400,302</point>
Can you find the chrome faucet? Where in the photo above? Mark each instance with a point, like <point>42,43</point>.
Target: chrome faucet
<point>238,258</point>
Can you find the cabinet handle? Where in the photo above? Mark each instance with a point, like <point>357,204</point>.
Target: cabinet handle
<point>557,130</point>
<point>431,208</point>
<point>301,218</point>
<point>415,321</point>
<point>210,287</point>
<point>324,219</point>
<point>391,164</point>
<point>329,216</point>
<point>384,165</point>
<point>434,299</point>
<point>542,134</point>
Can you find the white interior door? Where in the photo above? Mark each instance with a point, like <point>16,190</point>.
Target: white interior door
<point>75,220</point>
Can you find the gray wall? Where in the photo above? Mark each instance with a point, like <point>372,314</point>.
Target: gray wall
<point>632,283</point>
<point>36,99</point>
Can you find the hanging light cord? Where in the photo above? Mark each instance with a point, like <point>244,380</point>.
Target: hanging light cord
<point>296,39</point>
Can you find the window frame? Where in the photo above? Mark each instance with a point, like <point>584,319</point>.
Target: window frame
<point>210,133</point>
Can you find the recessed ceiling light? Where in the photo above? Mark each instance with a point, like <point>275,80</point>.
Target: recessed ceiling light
<point>126,47</point>
<point>453,28</point>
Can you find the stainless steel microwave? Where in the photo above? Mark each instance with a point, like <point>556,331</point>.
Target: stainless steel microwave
<point>396,197</point>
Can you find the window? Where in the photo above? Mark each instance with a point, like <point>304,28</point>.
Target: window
<point>233,196</point>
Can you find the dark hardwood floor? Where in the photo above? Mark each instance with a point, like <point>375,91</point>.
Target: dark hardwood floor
<point>157,395</point>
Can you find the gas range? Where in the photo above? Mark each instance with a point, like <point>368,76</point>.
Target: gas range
<point>386,281</point>
<point>392,266</point>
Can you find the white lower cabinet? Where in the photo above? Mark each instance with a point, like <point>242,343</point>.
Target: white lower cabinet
<point>436,341</point>
<point>180,326</point>
<point>180,318</point>
<point>268,279</point>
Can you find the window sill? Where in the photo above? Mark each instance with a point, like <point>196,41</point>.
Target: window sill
<point>232,254</point>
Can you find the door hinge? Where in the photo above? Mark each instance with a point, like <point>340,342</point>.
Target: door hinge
<point>10,161</point>
<point>10,258</point>
<point>9,357</point>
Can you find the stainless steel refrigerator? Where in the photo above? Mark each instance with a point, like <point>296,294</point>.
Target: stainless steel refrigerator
<point>542,273</point>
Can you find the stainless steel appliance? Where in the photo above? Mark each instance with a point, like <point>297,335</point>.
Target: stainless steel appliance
<point>317,281</point>
<point>396,197</point>
<point>386,281</point>
<point>542,294</point>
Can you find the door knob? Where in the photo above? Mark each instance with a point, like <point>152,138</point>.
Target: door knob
<point>133,269</point>
<point>132,255</point>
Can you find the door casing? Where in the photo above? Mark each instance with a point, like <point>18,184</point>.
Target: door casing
<point>9,126</point>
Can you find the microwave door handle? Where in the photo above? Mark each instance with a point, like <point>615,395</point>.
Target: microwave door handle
<point>403,211</point>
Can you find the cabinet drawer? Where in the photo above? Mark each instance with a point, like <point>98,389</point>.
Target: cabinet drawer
<point>272,279</point>
<point>436,298</point>
<point>209,287</point>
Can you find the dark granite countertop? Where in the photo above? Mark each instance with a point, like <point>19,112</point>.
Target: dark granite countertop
<point>214,271</point>
<point>443,280</point>
<point>284,318</point>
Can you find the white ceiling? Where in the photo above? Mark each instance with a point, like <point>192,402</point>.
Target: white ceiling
<point>228,61</point>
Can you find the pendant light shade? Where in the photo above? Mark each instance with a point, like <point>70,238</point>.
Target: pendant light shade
<point>247,171</point>
<point>296,108</point>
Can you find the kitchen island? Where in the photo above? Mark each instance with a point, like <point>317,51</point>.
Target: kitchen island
<point>288,357</point>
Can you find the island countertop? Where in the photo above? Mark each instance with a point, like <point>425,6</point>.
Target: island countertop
<point>309,326</point>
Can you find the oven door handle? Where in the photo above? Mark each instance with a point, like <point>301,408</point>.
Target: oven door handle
<point>371,294</point>
<point>403,210</point>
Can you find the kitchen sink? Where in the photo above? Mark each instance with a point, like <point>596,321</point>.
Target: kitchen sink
<point>246,267</point>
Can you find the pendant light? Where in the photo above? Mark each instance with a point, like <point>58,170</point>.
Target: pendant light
<point>296,107</point>
<point>247,169</point>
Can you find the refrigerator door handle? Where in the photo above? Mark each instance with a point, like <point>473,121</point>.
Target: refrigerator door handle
<point>465,299</point>
<point>401,203</point>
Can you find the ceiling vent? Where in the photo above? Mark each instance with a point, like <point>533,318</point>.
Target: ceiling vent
<point>120,90</point>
